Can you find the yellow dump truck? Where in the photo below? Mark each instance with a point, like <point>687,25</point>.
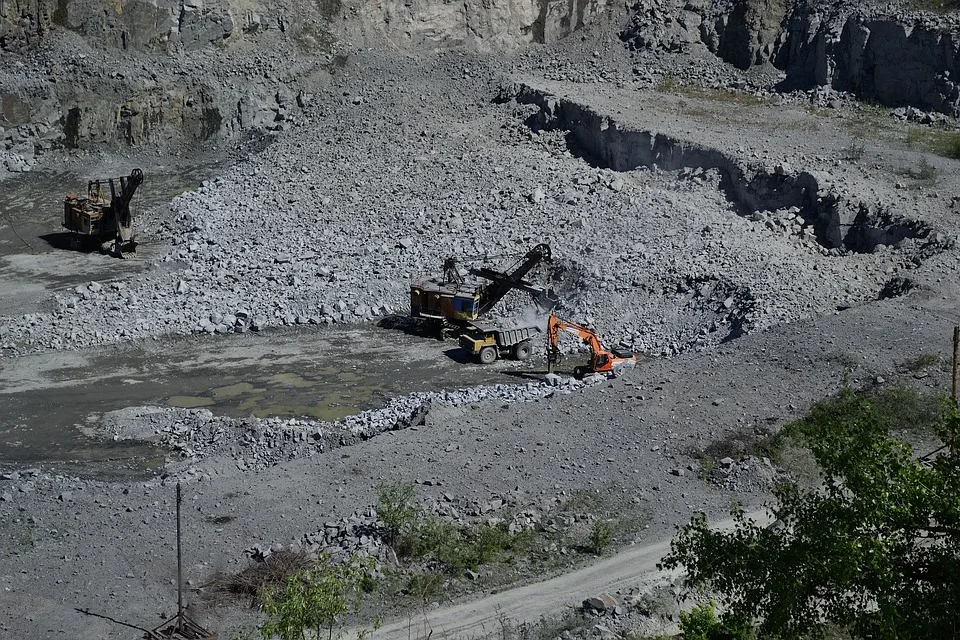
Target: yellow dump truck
<point>486,343</point>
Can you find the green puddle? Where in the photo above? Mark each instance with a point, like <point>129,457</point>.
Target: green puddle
<point>324,394</point>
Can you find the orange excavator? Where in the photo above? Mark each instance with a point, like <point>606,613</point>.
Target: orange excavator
<point>601,360</point>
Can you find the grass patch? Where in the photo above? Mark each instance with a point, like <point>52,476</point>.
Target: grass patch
<point>924,175</point>
<point>868,121</point>
<point>943,142</point>
<point>935,6</point>
<point>441,557</point>
<point>854,152</point>
<point>921,362</point>
<point>416,535</point>
<point>901,409</point>
<point>670,84</point>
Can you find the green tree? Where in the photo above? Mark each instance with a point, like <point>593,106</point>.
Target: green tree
<point>874,550</point>
<point>313,600</point>
<point>396,509</point>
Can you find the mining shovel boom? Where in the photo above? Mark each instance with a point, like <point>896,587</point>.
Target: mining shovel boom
<point>452,299</point>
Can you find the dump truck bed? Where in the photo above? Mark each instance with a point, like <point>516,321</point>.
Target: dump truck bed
<point>508,337</point>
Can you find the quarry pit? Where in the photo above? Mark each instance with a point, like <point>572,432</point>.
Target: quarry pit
<point>761,223</point>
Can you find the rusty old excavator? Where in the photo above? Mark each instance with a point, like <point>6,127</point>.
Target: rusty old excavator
<point>453,300</point>
<point>601,360</point>
<point>92,219</point>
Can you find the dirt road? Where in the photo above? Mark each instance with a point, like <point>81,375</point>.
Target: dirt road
<point>634,567</point>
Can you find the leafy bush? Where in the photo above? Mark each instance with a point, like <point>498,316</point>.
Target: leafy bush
<point>700,622</point>
<point>600,536</point>
<point>395,509</point>
<point>874,549</point>
<point>314,599</point>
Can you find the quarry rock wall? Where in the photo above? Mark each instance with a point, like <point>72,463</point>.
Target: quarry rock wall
<point>892,58</point>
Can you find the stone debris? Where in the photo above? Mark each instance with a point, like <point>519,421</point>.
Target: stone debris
<point>255,444</point>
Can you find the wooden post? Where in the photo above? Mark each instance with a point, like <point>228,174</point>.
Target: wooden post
<point>179,624</point>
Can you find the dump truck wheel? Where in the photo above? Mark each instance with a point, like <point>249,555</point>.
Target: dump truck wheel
<point>488,355</point>
<point>522,350</point>
<point>579,372</point>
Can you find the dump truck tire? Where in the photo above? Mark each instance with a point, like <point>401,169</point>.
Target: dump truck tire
<point>488,355</point>
<point>579,372</point>
<point>521,350</point>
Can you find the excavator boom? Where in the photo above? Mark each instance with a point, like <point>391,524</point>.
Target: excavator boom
<point>601,360</point>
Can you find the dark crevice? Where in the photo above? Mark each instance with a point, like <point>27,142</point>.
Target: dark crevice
<point>837,225</point>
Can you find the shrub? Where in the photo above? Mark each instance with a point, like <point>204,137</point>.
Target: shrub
<point>315,599</point>
<point>600,536</point>
<point>700,622</point>
<point>257,579</point>
<point>395,509</point>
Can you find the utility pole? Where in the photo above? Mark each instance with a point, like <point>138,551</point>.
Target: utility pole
<point>179,624</point>
<point>956,357</point>
<point>179,627</point>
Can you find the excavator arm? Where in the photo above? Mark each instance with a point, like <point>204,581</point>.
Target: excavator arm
<point>555,325</point>
<point>601,360</point>
<point>120,202</point>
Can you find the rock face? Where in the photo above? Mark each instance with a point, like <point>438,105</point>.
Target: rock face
<point>134,24</point>
<point>742,32</point>
<point>751,34</point>
<point>891,61</point>
<point>192,86</point>
<point>168,25</point>
<point>480,23</point>
<point>905,59</point>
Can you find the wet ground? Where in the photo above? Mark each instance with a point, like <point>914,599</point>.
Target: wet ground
<point>35,257</point>
<point>50,401</point>
<point>31,204</point>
